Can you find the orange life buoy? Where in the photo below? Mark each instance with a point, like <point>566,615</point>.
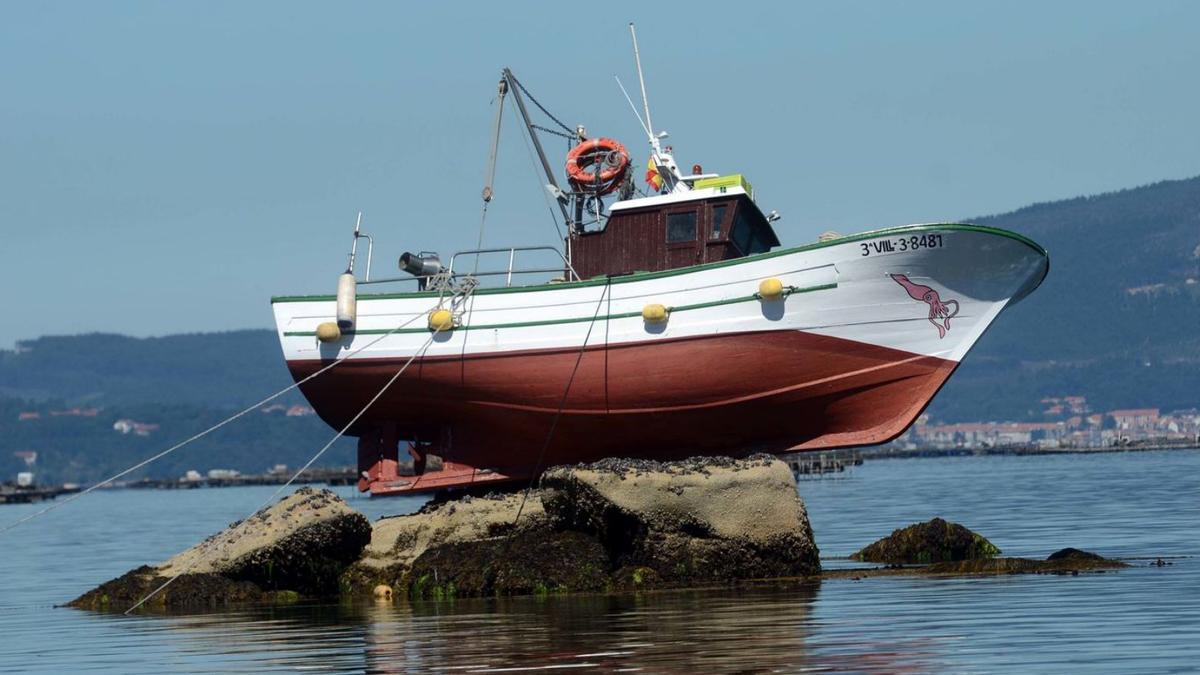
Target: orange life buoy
<point>604,156</point>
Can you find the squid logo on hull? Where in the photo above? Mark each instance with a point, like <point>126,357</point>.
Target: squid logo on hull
<point>939,312</point>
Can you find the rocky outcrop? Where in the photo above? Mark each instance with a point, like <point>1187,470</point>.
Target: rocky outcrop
<point>297,547</point>
<point>609,525</point>
<point>924,543</point>
<point>398,541</point>
<point>699,520</point>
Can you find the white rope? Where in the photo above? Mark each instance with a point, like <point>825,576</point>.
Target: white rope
<point>200,558</point>
<point>202,434</point>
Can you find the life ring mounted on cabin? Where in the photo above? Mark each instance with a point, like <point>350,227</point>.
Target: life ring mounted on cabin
<point>597,166</point>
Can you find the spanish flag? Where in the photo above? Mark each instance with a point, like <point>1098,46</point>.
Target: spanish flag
<point>653,179</point>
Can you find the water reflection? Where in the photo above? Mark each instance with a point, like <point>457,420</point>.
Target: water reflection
<point>723,630</point>
<point>1141,618</point>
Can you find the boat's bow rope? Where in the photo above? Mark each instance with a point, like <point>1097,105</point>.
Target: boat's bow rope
<point>203,554</point>
<point>207,431</point>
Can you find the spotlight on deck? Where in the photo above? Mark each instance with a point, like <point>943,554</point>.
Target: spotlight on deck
<point>421,265</point>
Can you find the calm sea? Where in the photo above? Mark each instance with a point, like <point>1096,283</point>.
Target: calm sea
<point>1144,619</point>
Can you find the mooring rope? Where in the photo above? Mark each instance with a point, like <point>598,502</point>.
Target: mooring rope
<point>204,433</point>
<point>563,402</point>
<point>200,558</point>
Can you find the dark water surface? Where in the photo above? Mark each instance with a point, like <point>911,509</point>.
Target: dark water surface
<point>1136,505</point>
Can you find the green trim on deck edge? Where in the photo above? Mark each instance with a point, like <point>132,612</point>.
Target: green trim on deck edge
<point>643,276</point>
<point>551,322</point>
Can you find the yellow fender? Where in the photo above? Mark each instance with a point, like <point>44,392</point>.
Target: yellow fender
<point>655,313</point>
<point>329,332</point>
<point>441,320</point>
<point>770,289</point>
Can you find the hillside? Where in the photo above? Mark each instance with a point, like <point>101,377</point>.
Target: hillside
<point>176,385</point>
<point>1117,321</point>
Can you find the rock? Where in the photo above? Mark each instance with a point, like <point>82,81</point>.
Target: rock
<point>609,525</point>
<point>931,542</point>
<point>191,591</point>
<point>397,542</point>
<point>527,563</point>
<point>299,546</point>
<point>698,520</point>
<point>1073,554</point>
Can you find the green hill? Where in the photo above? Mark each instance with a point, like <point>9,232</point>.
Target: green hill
<point>1117,320</point>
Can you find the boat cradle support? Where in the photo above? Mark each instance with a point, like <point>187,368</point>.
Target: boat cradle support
<point>381,473</point>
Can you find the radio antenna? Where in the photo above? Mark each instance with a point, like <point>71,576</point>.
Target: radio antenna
<point>633,108</point>
<point>637,57</point>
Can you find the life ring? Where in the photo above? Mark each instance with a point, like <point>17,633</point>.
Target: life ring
<point>608,156</point>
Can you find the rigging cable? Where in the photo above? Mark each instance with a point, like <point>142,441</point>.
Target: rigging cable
<point>570,137</point>
<point>545,194</point>
<point>200,558</point>
<point>541,107</point>
<point>204,433</point>
<point>563,402</point>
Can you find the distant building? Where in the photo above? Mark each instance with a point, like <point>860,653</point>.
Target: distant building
<point>127,426</point>
<point>299,411</point>
<point>1135,418</point>
<point>75,412</point>
<point>26,416</point>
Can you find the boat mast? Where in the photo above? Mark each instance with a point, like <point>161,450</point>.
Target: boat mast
<point>515,88</point>
<point>664,161</point>
<point>637,57</point>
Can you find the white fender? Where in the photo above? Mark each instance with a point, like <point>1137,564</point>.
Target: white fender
<point>346,301</point>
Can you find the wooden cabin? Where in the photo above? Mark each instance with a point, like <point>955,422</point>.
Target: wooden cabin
<point>716,220</point>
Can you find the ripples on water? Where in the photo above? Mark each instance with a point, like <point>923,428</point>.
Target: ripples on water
<point>1125,505</point>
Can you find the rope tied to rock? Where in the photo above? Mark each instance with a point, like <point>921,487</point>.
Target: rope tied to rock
<point>202,434</point>
<point>341,432</point>
<point>563,401</point>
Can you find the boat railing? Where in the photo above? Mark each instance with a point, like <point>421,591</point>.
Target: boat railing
<point>509,271</point>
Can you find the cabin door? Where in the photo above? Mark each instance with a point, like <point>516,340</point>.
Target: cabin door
<point>685,245</point>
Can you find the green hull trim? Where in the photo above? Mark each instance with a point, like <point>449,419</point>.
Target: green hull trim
<point>643,276</point>
<point>551,322</point>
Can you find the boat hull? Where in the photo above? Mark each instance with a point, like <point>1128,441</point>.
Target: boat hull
<point>864,338</point>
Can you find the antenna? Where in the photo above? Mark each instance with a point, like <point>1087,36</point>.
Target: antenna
<point>354,246</point>
<point>637,57</point>
<point>634,109</point>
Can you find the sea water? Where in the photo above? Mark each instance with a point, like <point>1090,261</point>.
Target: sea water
<point>1137,506</point>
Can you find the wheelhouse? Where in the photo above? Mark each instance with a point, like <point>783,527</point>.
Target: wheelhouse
<point>705,224</point>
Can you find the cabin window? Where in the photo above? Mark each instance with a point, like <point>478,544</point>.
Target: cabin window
<point>681,227</point>
<point>748,237</point>
<point>718,219</point>
<point>741,234</point>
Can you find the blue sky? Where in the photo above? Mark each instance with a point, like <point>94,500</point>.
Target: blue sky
<point>167,167</point>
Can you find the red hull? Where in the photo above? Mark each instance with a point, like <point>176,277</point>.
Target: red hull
<point>732,394</point>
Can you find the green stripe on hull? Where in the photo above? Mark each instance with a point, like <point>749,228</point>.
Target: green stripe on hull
<point>643,276</point>
<point>552,322</point>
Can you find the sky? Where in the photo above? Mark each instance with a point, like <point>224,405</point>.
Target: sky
<point>166,167</point>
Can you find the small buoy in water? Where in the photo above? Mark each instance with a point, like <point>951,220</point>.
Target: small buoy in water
<point>770,289</point>
<point>328,331</point>
<point>441,320</point>
<point>346,301</point>
<point>383,592</point>
<point>655,313</point>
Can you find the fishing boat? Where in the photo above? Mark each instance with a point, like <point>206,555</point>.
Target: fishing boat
<point>672,324</point>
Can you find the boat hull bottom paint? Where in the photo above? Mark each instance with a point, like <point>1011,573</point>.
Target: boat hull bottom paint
<point>489,416</point>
